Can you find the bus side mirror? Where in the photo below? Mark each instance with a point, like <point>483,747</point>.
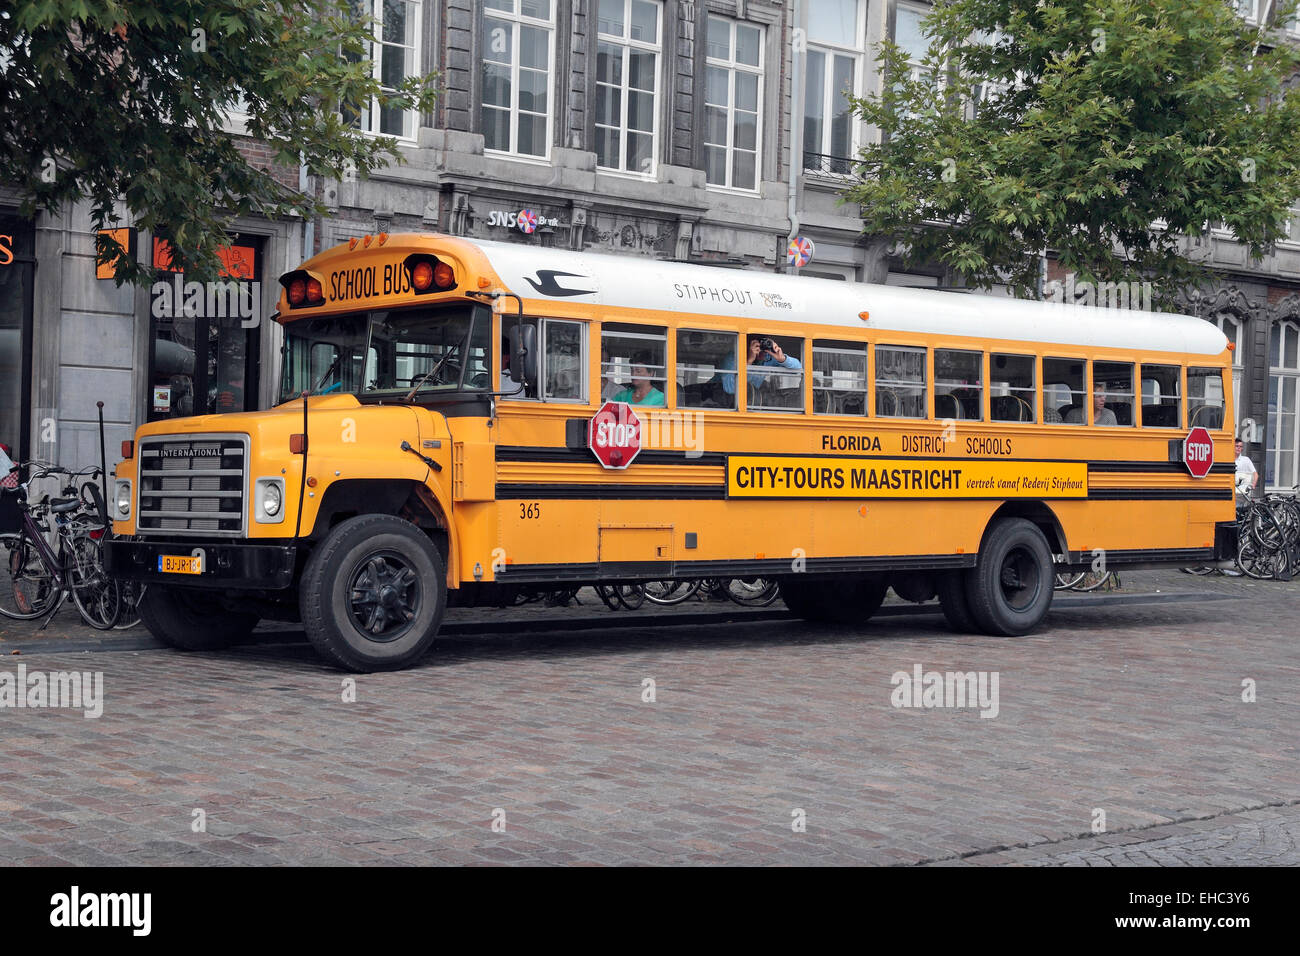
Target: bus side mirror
<point>523,353</point>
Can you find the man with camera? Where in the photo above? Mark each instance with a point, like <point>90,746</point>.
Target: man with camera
<point>763,352</point>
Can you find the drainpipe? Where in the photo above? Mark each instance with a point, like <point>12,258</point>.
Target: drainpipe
<point>798,43</point>
<point>309,221</point>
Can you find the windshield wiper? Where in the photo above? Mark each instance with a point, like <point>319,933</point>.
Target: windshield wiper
<point>429,374</point>
<point>328,372</point>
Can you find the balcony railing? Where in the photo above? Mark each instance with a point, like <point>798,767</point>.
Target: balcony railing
<point>828,164</point>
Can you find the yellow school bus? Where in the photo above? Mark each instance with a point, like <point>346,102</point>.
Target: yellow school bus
<point>463,420</point>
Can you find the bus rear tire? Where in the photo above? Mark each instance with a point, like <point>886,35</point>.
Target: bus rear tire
<point>190,619</point>
<point>1011,586</point>
<point>844,599</point>
<point>951,586</point>
<point>373,594</point>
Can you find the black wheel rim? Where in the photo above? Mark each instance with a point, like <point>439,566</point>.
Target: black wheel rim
<point>1019,579</point>
<point>383,596</point>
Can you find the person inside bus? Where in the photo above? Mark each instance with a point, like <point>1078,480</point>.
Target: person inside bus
<point>1101,415</point>
<point>641,391</point>
<point>763,352</point>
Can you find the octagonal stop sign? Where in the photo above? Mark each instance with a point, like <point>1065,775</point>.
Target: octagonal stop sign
<point>614,435</point>
<point>1198,452</point>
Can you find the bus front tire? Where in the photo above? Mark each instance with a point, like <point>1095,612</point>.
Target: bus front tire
<point>1010,588</point>
<point>191,620</point>
<point>951,586</point>
<point>373,594</point>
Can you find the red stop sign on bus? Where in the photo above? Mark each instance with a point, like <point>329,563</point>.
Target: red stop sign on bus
<point>614,435</point>
<point>1198,452</point>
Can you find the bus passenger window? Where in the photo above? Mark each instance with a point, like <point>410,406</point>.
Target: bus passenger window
<point>632,364</point>
<point>839,378</point>
<point>561,366</point>
<point>775,373</point>
<point>1011,388</point>
<point>706,369</point>
<point>900,381</point>
<point>1112,393</point>
<point>958,385</point>
<point>1160,396</point>
<point>1063,391</point>
<point>1205,404</point>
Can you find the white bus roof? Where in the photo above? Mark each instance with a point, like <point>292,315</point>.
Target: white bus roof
<point>634,282</point>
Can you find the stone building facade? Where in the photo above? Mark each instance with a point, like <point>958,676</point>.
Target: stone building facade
<point>658,128</point>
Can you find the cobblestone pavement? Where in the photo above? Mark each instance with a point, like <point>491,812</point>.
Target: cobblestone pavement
<point>1128,703</point>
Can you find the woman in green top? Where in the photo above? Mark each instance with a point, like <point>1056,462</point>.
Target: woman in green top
<point>641,392</point>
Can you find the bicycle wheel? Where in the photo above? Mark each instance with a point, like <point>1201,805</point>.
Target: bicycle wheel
<point>669,592</point>
<point>132,592</point>
<point>98,597</point>
<point>752,592</point>
<point>1092,580</point>
<point>1261,563</point>
<point>1068,579</point>
<point>27,588</point>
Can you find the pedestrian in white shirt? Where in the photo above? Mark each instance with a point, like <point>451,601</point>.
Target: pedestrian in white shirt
<point>1247,475</point>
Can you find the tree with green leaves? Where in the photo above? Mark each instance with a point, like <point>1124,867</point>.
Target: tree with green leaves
<point>123,104</point>
<point>1103,131</point>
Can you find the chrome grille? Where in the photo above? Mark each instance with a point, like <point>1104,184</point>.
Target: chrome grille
<point>193,483</point>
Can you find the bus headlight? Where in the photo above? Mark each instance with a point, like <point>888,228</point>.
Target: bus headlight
<point>122,498</point>
<point>268,500</point>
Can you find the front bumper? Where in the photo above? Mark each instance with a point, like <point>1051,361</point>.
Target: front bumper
<point>260,567</point>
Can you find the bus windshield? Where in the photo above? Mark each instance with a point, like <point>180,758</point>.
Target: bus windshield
<point>389,354</point>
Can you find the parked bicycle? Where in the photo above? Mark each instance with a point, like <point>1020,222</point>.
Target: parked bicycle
<point>56,552</point>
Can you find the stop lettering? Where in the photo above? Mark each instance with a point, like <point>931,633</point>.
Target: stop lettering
<point>1198,452</point>
<point>614,435</point>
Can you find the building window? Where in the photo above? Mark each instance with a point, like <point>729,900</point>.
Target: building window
<point>627,85</point>
<point>517,45</point>
<point>395,57</point>
<point>733,103</point>
<point>910,38</point>
<point>835,38</point>
<point>1280,466</point>
<point>1232,326</point>
<point>1248,10</point>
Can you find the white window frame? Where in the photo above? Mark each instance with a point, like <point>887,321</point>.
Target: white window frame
<point>733,67</point>
<point>1238,369</point>
<point>1281,373</point>
<point>857,53</point>
<point>368,120</point>
<point>1251,15</point>
<point>1292,237</point>
<point>515,20</point>
<point>626,45</point>
<point>915,67</point>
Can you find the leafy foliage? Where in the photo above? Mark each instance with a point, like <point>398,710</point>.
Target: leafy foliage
<point>124,104</point>
<point>1074,125</point>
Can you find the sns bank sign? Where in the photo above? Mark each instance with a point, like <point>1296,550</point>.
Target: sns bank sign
<point>526,221</point>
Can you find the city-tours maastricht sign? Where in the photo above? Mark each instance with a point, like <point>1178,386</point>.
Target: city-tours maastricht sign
<point>771,476</point>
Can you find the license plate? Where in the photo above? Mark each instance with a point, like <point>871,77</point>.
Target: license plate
<point>180,564</point>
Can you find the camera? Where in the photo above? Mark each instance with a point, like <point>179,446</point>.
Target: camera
<point>767,345</point>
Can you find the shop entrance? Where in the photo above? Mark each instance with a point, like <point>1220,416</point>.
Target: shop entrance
<point>17,277</point>
<point>205,337</point>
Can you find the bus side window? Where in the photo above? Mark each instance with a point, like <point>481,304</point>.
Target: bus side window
<point>1205,404</point>
<point>706,369</point>
<point>1011,388</point>
<point>1161,407</point>
<point>561,366</point>
<point>1063,398</point>
<point>775,388</point>
<point>1115,380</point>
<point>633,365</point>
<point>958,385</point>
<point>839,377</point>
<point>900,381</point>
